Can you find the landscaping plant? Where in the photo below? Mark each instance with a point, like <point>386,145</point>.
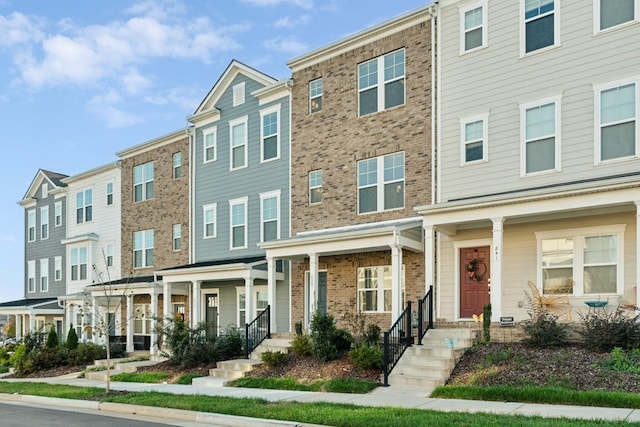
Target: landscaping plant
<point>604,329</point>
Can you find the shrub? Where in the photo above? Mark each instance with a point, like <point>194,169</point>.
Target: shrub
<point>373,334</point>
<point>229,345</point>
<point>323,333</point>
<point>343,339</point>
<point>19,353</point>
<point>301,345</point>
<point>72,339</point>
<point>274,358</point>
<point>486,323</point>
<point>366,357</point>
<point>604,329</point>
<point>52,338</point>
<point>116,349</point>
<point>619,360</point>
<point>85,354</point>
<point>545,331</point>
<point>189,347</point>
<point>298,327</point>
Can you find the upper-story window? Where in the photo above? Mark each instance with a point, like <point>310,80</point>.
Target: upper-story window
<point>177,165</point>
<point>177,237</point>
<point>45,190</point>
<point>143,248</point>
<point>539,24</point>
<point>31,225</point>
<point>238,94</point>
<point>109,193</point>
<point>270,133</point>
<point>84,206</point>
<point>44,222</point>
<point>473,22</point>
<point>381,183</point>
<point>108,255</point>
<point>381,83</point>
<point>238,134</point>
<point>57,214</point>
<point>44,275</point>
<point>57,268</point>
<point>209,145</point>
<point>617,124</point>
<point>31,276</point>
<point>611,13</point>
<point>79,263</point>
<point>474,139</point>
<point>315,186</point>
<point>143,182</point>
<point>315,96</point>
<point>209,220</point>
<point>541,139</point>
<point>270,216</point>
<point>238,214</point>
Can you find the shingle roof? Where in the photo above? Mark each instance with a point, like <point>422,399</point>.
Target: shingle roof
<point>55,177</point>
<point>26,302</point>
<point>248,260</point>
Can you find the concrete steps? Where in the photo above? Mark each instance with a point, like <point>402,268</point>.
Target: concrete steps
<point>117,366</point>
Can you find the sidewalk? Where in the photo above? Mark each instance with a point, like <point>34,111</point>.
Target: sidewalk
<point>400,397</point>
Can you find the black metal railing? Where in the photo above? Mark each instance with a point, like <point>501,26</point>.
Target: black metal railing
<point>425,314</point>
<point>396,340</point>
<point>257,331</point>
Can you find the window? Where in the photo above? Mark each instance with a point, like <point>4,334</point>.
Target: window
<point>177,165</point>
<point>143,182</point>
<point>315,187</point>
<point>474,139</point>
<point>31,225</point>
<point>109,193</point>
<point>611,13</point>
<point>44,275</point>
<point>315,96</point>
<point>473,23</point>
<point>57,268</point>
<point>44,222</point>
<point>45,190</point>
<point>616,108</point>
<point>142,316</point>
<point>381,183</point>
<point>79,264</point>
<point>31,276</point>
<point>270,148</point>
<point>260,302</point>
<point>238,129</point>
<point>84,201</point>
<point>539,24</point>
<point>381,83</point>
<point>143,248</point>
<point>238,213</point>
<point>541,150</point>
<point>209,146</point>
<point>270,216</point>
<point>57,214</point>
<point>238,94</point>
<point>177,237</point>
<point>209,220</point>
<point>374,289</point>
<point>590,259</point>
<point>108,254</point>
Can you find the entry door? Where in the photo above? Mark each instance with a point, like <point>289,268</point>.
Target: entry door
<point>474,280</point>
<point>211,314</point>
<point>322,293</point>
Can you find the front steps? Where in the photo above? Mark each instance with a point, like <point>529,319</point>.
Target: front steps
<point>117,366</point>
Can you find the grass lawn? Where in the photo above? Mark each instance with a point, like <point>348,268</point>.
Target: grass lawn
<point>339,385</point>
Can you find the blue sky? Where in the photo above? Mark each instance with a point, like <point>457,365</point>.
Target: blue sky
<point>82,80</point>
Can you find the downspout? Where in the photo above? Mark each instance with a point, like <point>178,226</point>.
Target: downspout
<point>192,173</point>
<point>435,103</point>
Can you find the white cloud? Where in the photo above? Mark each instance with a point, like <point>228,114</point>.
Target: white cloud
<point>288,22</point>
<point>135,83</point>
<point>158,9</point>
<point>286,45</point>
<point>17,28</point>
<point>185,98</point>
<point>306,4</point>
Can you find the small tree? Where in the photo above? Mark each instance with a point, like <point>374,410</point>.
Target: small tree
<point>72,339</point>
<point>52,338</point>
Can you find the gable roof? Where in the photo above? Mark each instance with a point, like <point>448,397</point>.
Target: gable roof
<point>52,178</point>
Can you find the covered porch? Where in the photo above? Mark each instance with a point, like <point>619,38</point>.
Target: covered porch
<point>37,314</point>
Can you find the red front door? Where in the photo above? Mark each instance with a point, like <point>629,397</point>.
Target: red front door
<point>474,280</point>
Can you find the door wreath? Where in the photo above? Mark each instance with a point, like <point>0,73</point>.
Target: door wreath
<point>476,270</point>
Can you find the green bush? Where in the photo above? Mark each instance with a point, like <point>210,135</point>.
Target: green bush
<point>486,323</point>
<point>72,339</point>
<point>343,339</point>
<point>622,361</point>
<point>52,338</point>
<point>229,344</point>
<point>274,358</point>
<point>298,327</point>
<point>366,357</point>
<point>19,353</point>
<point>85,354</point>
<point>545,331</point>
<point>373,334</point>
<point>116,350</point>
<point>605,329</point>
<point>323,337</point>
<point>4,357</point>
<point>301,345</point>
<point>189,347</point>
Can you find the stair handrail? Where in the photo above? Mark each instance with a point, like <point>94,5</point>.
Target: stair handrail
<point>257,331</point>
<point>396,340</point>
<point>425,314</point>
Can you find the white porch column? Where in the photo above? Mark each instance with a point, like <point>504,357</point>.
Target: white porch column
<point>166,303</point>
<point>154,322</point>
<point>97,314</point>
<point>130,321</point>
<point>68,314</point>
<point>637,302</point>
<point>18,327</point>
<point>195,307</point>
<point>397,304</point>
<point>313,286</point>
<point>496,269</point>
<point>250,311</point>
<point>271,291</point>
<point>32,321</point>
<point>429,257</point>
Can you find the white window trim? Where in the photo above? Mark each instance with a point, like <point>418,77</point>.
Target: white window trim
<point>44,274</point>
<point>464,9</point>
<point>274,109</point>
<point>315,186</point>
<point>84,205</point>
<point>485,139</point>
<point>598,89</point>
<point>242,120</point>
<point>380,289</point>
<point>380,84</point>
<point>237,90</point>
<point>380,184</point>
<point>57,267</point>
<point>596,18</point>
<point>175,167</point>
<point>109,247</point>
<point>311,98</point>
<point>523,33</point>
<point>556,100</point>
<point>174,237</point>
<point>32,214</point>
<point>214,208</point>
<point>145,181</point>
<point>269,195</point>
<point>44,214</point>
<point>240,290</point>
<point>56,206</point>
<point>45,190</point>
<point>144,248</point>
<point>210,131</point>
<point>578,289</point>
<point>31,274</point>
<point>234,202</point>
<point>79,264</point>
<point>112,193</point>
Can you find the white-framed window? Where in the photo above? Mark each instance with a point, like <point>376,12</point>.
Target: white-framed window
<point>44,275</point>
<point>84,206</point>
<point>540,132</point>
<point>474,131</point>
<point>260,302</point>
<point>613,13</point>
<point>374,289</point>
<point>31,225</point>
<point>209,142</point>
<point>315,186</point>
<point>142,316</point>
<point>381,183</point>
<point>31,276</point>
<point>109,193</point>
<point>177,165</point>
<point>143,176</point>
<point>108,254</point>
<point>79,263</point>
<point>591,258</point>
<point>539,25</point>
<point>473,25</point>
<point>238,214</point>
<point>381,83</point>
<point>238,94</point>
<point>57,214</point>
<point>270,216</point>
<point>617,131</point>
<point>45,190</point>
<point>176,234</point>
<point>143,248</point>
<point>315,96</point>
<point>238,139</point>
<point>44,222</point>
<point>270,134</point>
<point>209,220</point>
<point>57,268</point>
